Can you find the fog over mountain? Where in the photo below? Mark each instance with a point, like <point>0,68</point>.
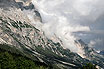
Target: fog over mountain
<point>58,33</point>
<point>73,19</point>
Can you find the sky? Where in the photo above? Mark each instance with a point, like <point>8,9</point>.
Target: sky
<point>70,20</point>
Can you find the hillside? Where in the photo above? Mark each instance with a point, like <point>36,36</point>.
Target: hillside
<point>11,59</point>
<point>25,45</point>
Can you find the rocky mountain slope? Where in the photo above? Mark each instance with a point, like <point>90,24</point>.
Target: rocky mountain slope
<point>34,44</point>
<point>17,31</point>
<point>102,52</point>
<point>90,53</point>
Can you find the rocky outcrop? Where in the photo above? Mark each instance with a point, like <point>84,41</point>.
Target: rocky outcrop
<point>35,45</point>
<point>102,52</point>
<point>90,53</point>
<point>17,6</point>
<point>17,31</point>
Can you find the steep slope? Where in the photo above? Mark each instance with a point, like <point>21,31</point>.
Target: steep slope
<point>17,31</point>
<point>33,43</point>
<point>18,6</point>
<point>10,58</point>
<point>90,53</point>
<point>102,52</point>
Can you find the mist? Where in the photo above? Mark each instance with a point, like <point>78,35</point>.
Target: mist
<point>73,19</point>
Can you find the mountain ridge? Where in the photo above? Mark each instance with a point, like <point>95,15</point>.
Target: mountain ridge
<point>31,41</point>
<point>17,31</point>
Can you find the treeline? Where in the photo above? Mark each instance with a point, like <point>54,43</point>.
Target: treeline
<point>10,60</point>
<point>89,66</point>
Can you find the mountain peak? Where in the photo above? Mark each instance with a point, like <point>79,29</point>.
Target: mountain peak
<point>102,52</point>
<point>80,42</point>
<point>17,31</point>
<point>80,45</point>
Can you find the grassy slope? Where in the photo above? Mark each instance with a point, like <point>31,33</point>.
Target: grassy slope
<point>10,60</point>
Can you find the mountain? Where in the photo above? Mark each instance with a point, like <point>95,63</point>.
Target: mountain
<point>32,43</point>
<point>10,58</point>
<point>18,33</point>
<point>90,53</point>
<point>102,52</point>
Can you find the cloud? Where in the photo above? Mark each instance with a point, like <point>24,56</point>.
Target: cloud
<point>35,20</point>
<point>72,19</point>
<point>97,44</point>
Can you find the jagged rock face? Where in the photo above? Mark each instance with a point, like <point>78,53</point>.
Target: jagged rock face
<point>90,53</point>
<point>25,2</point>
<point>18,6</point>
<point>84,47</point>
<point>7,3</point>
<point>35,45</point>
<point>102,52</point>
<point>80,44</point>
<point>16,30</point>
<point>14,3</point>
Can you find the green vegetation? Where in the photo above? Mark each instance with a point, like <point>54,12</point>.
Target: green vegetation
<point>89,66</point>
<point>10,60</point>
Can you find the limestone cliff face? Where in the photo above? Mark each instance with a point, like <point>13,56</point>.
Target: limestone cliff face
<point>90,53</point>
<point>17,31</point>
<point>35,45</point>
<point>25,2</point>
<point>15,8</point>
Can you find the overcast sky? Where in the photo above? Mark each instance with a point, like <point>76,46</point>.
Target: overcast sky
<point>73,19</point>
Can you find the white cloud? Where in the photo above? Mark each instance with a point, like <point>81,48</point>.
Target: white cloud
<point>97,44</point>
<point>65,17</point>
